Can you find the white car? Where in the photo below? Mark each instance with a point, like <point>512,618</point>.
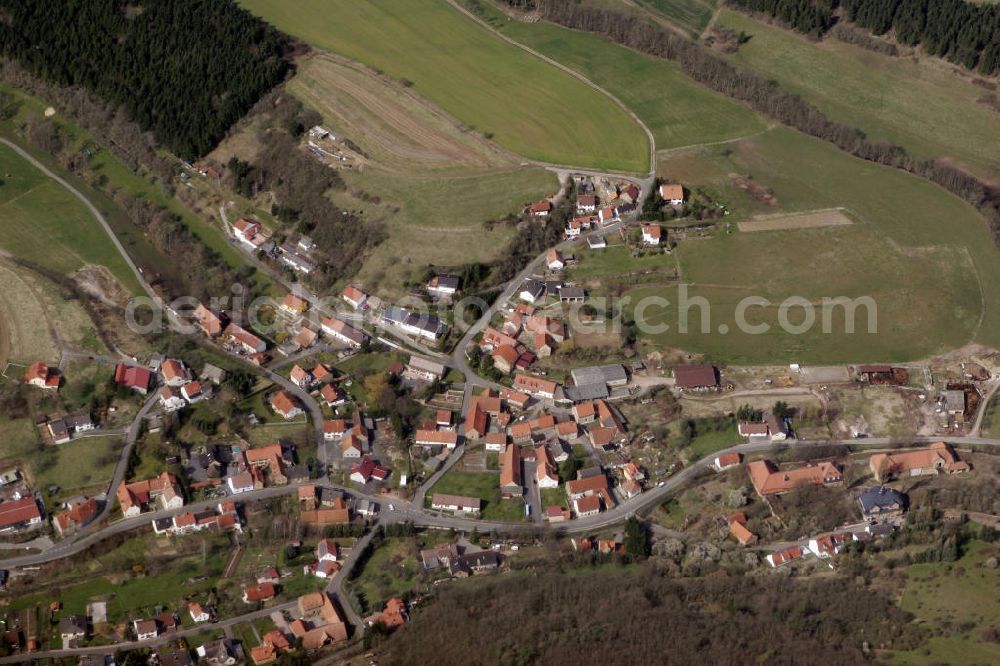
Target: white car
<point>392,508</point>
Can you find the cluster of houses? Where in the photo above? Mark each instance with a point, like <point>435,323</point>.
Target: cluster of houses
<point>459,565</point>
<point>541,438</point>
<point>179,389</point>
<point>524,337</point>
<point>881,507</point>
<point>223,517</point>
<point>317,623</point>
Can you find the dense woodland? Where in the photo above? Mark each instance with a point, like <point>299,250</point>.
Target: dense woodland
<point>763,95</point>
<point>184,69</point>
<point>640,617</point>
<point>965,33</point>
<point>811,18</point>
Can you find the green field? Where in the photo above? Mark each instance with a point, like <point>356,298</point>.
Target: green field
<point>103,166</point>
<point>439,220</point>
<point>920,253</point>
<point>484,485</point>
<point>677,111</point>
<point>921,106</point>
<point>523,103</point>
<point>42,221</point>
<point>943,594</point>
<point>692,15</point>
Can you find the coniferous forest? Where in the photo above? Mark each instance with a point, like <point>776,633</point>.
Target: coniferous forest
<point>184,69</point>
<point>963,32</point>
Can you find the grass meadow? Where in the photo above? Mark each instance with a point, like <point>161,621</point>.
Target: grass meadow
<point>524,104</point>
<point>690,15</point>
<point>678,111</point>
<point>438,220</point>
<point>920,253</point>
<point>956,595</point>
<point>922,106</point>
<point>43,222</point>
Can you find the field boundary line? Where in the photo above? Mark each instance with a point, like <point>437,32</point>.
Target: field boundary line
<point>677,149</point>
<point>22,194</point>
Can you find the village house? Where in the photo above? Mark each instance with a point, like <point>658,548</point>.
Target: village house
<point>505,358</point>
<point>133,377</point>
<point>174,373</point>
<point>776,559</point>
<point>554,260</point>
<point>587,494</point>
<point>545,468</point>
<point>651,234</point>
<point>291,258</point>
<point>221,652</point>
<point>672,193</point>
<point>77,514</point>
<point>318,622</point>
<point>425,370</point>
<point>936,459</point>
<point>727,460</point>
<point>305,338</point>
<point>245,340</point>
<point>629,193</point>
<point>882,504</point>
<point>19,514</point>
<point>738,529</point>
<point>271,458</point>
<point>192,392</point>
<point>171,399</point>
<point>332,396</point>
<point>145,630</point>
<point>42,376</point>
<point>445,438</point>
<point>438,556</point>
<point>586,203</point>
<point>456,503</point>
<point>532,290</point>
<point>473,563</point>
<point>350,447</point>
<point>608,215</point>
<point>209,322</point>
<point>164,489</point>
<point>354,297</point>
<point>444,285</point>
<point>342,331</point>
<point>285,405</point>
<point>259,593</point>
<point>535,386</point>
<point>422,325</point>
<point>246,232</point>
<point>495,441</point>
<point>541,208</point>
<point>300,376</point>
<point>510,472</point>
<point>212,374</point>
<point>73,628</point>
<point>198,613</point>
<point>364,471</point>
<point>294,305</point>
<point>769,480</point>
<point>830,545</point>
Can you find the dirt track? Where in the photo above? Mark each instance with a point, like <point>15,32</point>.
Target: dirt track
<point>831,217</point>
